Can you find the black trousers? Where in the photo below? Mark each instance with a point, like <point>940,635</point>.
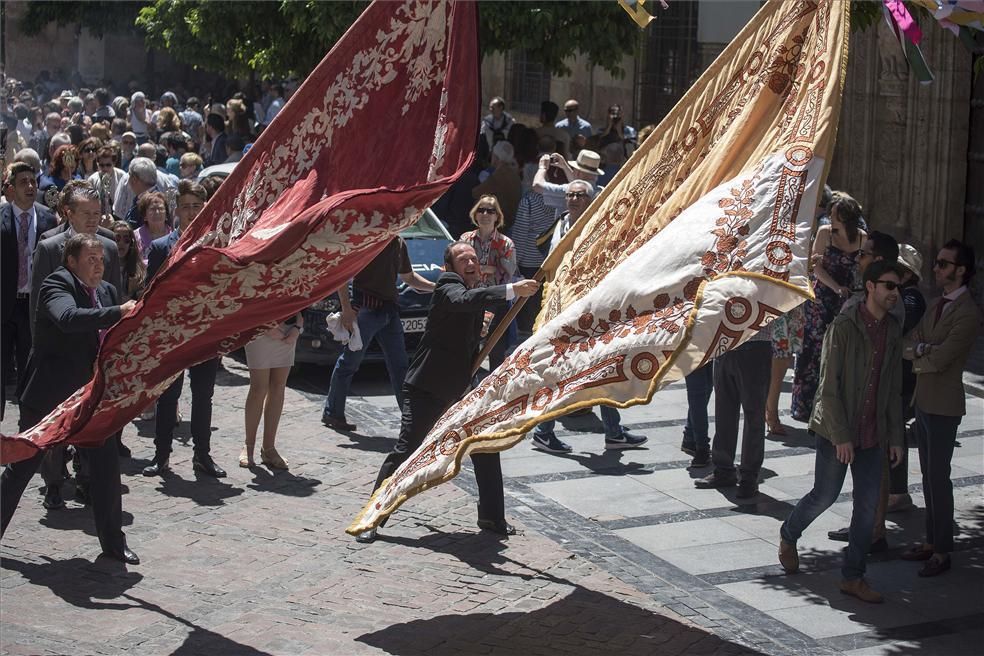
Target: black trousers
<point>741,381</point>
<point>937,438</point>
<point>15,345</point>
<point>202,378</point>
<point>105,493</point>
<point>421,410</point>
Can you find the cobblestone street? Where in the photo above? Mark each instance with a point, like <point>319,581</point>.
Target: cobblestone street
<point>619,553</point>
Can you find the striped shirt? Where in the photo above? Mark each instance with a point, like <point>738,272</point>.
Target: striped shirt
<point>533,218</point>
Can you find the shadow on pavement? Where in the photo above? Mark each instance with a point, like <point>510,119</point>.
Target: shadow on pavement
<point>584,622</point>
<point>607,463</point>
<point>203,490</point>
<point>75,518</point>
<point>372,443</point>
<point>282,482</point>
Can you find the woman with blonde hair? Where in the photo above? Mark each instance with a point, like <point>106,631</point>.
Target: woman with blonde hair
<point>269,358</point>
<point>497,259</point>
<point>168,121</point>
<point>189,166</point>
<point>133,268</point>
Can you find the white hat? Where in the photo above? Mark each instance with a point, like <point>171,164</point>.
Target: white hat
<point>587,162</point>
<point>910,259</point>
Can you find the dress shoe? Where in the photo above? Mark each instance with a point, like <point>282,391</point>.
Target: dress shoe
<point>82,494</point>
<point>859,588</point>
<point>702,458</point>
<point>840,535</point>
<point>935,566</point>
<point>337,423</point>
<point>125,555</point>
<point>366,536</point>
<point>916,553</point>
<point>878,546</point>
<point>157,467</point>
<point>53,498</point>
<point>206,465</point>
<point>689,447</point>
<point>500,526</point>
<point>899,503</point>
<point>788,556</point>
<point>747,490</point>
<point>715,480</point>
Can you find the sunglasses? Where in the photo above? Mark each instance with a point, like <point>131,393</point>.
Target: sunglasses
<point>568,110</point>
<point>574,195</point>
<point>89,151</point>
<point>890,285</point>
<point>942,264</point>
<point>486,210</point>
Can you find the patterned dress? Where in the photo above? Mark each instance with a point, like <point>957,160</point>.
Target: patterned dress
<point>818,314</point>
<point>498,252</point>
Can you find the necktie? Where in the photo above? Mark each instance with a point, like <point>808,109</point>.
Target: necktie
<point>95,304</point>
<point>939,310</point>
<point>22,227</point>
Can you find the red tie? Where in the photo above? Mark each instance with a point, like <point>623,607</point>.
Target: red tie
<point>939,309</point>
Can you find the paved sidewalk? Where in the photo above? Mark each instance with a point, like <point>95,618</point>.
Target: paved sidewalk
<point>620,553</point>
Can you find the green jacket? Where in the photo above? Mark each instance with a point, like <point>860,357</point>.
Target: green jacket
<point>845,365</point>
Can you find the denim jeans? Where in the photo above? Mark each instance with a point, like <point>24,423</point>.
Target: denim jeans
<point>384,325</point>
<point>866,473</point>
<point>610,418</point>
<point>700,384</point>
<point>937,437</point>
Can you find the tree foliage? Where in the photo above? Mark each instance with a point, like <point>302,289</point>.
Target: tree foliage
<point>278,39</point>
<point>98,16</point>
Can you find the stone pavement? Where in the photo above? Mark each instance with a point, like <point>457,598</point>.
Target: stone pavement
<point>620,554</point>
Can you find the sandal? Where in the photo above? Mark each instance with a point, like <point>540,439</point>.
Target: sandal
<point>272,459</point>
<point>246,457</point>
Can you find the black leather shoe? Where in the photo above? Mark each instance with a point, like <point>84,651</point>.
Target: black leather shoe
<point>366,537</point>
<point>500,526</point>
<point>747,490</point>
<point>715,480</point>
<point>335,423</point>
<point>53,499</point>
<point>125,556</point>
<point>935,567</point>
<point>840,535</point>
<point>157,467</point>
<point>206,465</point>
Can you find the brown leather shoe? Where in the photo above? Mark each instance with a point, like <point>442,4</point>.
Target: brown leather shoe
<point>788,557</point>
<point>859,588</point>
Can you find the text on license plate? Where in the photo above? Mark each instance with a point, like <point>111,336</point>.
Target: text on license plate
<point>414,324</point>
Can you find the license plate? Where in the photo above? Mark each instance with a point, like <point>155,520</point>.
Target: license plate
<point>414,324</point>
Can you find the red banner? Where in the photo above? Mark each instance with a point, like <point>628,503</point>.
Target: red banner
<point>380,129</point>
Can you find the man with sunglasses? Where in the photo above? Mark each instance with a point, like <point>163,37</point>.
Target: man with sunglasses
<point>107,178</point>
<point>573,124</point>
<point>939,347</point>
<point>856,418</point>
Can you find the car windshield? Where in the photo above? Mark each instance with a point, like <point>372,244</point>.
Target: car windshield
<point>427,227</point>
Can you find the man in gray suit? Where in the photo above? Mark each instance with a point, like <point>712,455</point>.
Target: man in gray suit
<point>80,206</point>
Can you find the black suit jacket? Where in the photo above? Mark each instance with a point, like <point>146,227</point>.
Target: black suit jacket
<point>8,251</point>
<point>159,251</point>
<point>48,257</point>
<point>66,339</point>
<point>443,362</point>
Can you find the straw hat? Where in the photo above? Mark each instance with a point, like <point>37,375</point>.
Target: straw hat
<point>587,162</point>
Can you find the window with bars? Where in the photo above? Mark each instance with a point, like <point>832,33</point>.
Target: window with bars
<point>671,61</point>
<point>529,83</point>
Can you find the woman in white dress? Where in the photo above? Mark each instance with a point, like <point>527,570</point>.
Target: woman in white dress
<point>269,358</point>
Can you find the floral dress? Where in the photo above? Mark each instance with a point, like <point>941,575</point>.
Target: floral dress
<point>817,315</point>
<point>498,252</point>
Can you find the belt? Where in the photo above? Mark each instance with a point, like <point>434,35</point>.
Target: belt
<point>23,295</point>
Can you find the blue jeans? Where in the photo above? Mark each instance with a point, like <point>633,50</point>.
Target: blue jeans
<point>609,417</point>
<point>384,325</point>
<point>700,384</point>
<point>866,473</point>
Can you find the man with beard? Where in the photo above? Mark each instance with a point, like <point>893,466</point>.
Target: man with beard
<point>857,419</point>
<point>440,373</point>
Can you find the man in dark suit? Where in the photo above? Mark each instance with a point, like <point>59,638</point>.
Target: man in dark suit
<point>441,371</point>
<point>22,222</point>
<point>74,307</point>
<point>191,200</point>
<point>80,205</point>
